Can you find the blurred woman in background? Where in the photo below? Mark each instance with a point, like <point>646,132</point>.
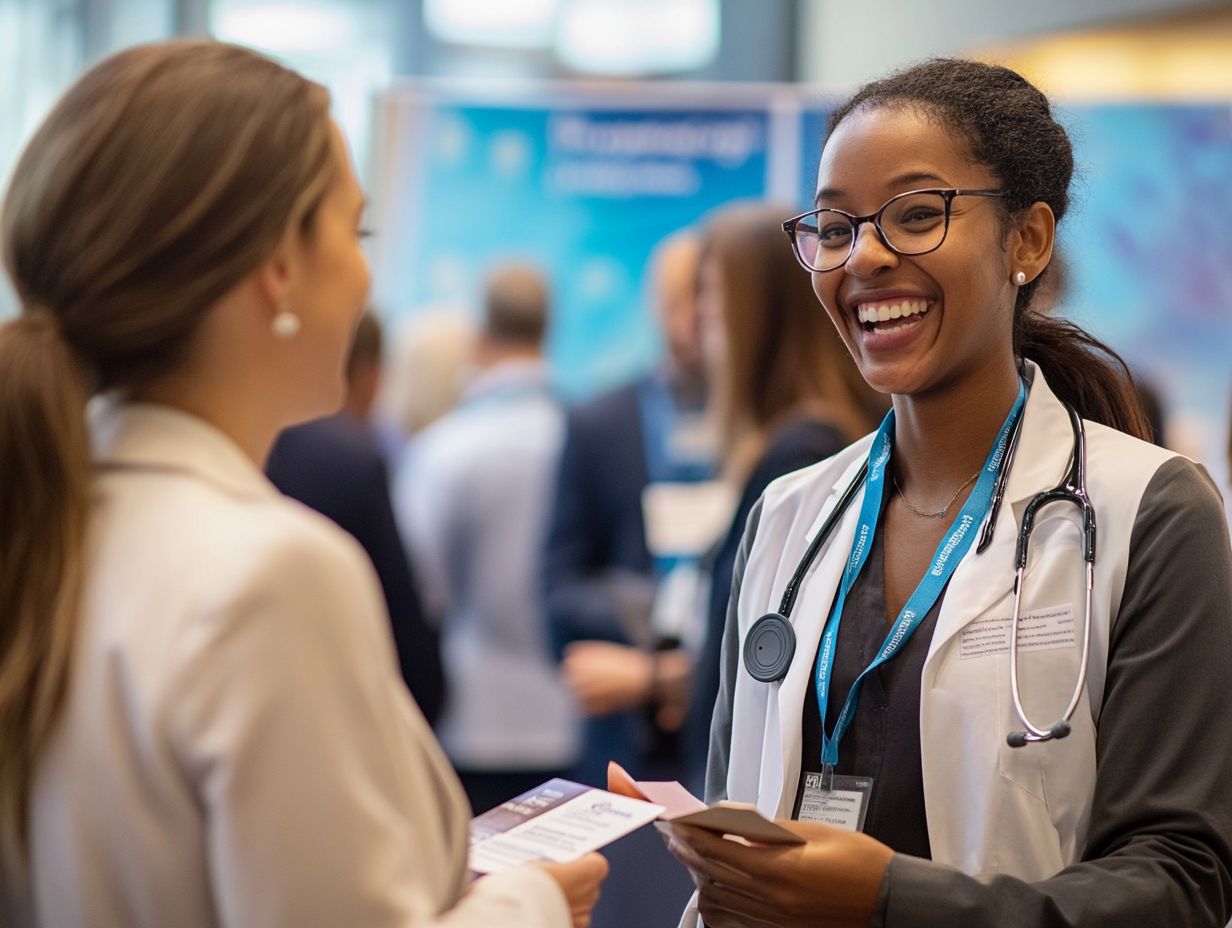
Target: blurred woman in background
<point>429,367</point>
<point>201,718</point>
<point>786,394</point>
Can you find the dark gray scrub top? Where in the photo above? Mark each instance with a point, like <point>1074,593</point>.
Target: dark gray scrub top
<point>883,740</point>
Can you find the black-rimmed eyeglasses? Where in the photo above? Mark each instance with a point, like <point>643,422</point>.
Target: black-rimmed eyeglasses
<point>911,223</point>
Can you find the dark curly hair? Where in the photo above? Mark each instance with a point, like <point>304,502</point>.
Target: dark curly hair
<point>1008,126</point>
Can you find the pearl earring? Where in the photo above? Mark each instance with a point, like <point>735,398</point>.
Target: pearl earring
<point>285,325</point>
<point>1020,278</point>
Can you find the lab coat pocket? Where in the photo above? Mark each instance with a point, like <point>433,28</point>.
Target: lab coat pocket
<point>1059,773</point>
<point>1045,680</point>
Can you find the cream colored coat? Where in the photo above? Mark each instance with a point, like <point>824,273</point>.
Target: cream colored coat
<point>990,808</point>
<point>238,747</point>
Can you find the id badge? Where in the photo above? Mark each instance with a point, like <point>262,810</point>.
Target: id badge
<point>841,801</point>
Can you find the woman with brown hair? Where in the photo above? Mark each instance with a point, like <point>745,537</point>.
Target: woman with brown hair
<point>773,357</point>
<point>201,718</point>
<point>786,395</point>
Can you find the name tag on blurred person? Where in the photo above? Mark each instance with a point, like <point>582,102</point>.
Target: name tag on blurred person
<point>684,519</point>
<point>694,439</point>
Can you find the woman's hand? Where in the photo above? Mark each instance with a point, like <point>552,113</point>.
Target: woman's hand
<point>607,677</point>
<point>831,881</point>
<point>579,880</point>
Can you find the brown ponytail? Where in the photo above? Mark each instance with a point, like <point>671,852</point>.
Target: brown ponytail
<point>43,498</point>
<point>1009,126</point>
<point>1082,371</point>
<point>160,180</point>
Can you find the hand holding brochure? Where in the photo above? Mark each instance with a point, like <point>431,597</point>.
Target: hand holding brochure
<point>558,821</point>
<point>682,807</point>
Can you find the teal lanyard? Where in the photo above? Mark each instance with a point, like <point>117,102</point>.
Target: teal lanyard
<point>945,560</point>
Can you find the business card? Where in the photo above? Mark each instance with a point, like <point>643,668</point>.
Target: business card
<point>731,819</point>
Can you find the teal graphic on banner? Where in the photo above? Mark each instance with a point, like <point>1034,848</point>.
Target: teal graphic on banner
<point>585,193</point>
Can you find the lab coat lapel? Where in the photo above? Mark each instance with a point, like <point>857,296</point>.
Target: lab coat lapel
<point>982,580</point>
<point>809,619</point>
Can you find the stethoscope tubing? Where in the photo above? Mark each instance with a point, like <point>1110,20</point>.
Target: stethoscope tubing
<point>788,601</point>
<point>1073,490</point>
<point>1061,727</point>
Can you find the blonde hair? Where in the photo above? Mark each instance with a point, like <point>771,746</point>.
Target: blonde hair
<point>428,369</point>
<point>784,357</point>
<point>164,176</point>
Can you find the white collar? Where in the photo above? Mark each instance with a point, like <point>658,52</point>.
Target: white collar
<point>152,436</point>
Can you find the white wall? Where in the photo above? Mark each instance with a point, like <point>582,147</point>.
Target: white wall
<point>846,42</point>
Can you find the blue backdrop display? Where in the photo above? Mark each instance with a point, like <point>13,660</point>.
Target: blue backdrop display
<point>586,186</point>
<point>812,132</point>
<point>1149,254</point>
<point>585,192</point>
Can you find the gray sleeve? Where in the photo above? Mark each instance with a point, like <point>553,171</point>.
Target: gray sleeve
<point>729,662</point>
<point>1158,849</point>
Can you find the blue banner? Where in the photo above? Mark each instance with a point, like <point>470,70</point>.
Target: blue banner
<point>586,193</point>
<point>586,186</point>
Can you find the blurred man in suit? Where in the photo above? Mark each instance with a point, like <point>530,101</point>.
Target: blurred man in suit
<point>600,577</point>
<point>335,466</point>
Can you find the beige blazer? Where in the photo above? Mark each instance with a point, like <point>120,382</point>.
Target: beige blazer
<point>237,747</point>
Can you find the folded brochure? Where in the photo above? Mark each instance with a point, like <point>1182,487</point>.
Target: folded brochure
<point>682,807</point>
<point>558,820</point>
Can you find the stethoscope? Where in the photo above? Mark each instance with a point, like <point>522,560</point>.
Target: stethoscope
<point>771,642</point>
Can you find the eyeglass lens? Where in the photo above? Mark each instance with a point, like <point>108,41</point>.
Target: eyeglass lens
<point>912,224</point>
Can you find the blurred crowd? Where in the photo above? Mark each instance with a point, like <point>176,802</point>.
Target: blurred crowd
<point>557,574</point>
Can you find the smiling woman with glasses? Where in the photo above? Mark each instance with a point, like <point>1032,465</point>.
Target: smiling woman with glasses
<point>890,634</point>
<point>911,223</point>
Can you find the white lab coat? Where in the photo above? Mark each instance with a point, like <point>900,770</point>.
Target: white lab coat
<point>237,747</point>
<point>990,808</point>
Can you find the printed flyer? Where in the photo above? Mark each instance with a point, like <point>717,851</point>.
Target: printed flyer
<point>558,821</point>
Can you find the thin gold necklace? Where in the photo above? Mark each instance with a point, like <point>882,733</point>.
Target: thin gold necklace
<point>939,514</point>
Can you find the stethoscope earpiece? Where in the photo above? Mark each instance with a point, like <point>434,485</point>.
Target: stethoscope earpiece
<point>1020,739</point>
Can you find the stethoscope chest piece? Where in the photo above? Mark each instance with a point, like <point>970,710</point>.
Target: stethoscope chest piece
<point>769,648</point>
